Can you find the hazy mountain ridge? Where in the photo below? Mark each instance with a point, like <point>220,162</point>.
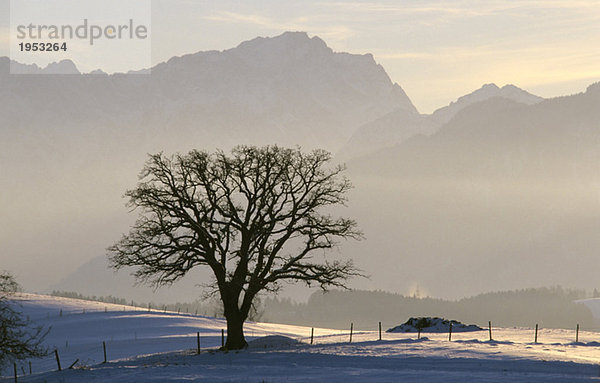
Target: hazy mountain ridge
<point>486,92</point>
<point>400,125</point>
<point>61,67</point>
<point>507,136</point>
<point>290,88</point>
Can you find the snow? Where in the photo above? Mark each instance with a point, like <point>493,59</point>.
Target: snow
<point>273,341</point>
<point>160,346</point>
<point>593,304</point>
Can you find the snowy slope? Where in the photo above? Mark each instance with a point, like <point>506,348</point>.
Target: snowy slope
<point>78,328</point>
<point>167,342</point>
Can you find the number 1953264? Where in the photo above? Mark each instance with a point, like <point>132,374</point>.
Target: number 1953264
<point>43,47</point>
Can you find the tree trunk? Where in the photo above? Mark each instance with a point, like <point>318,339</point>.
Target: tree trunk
<point>235,332</point>
<point>235,319</point>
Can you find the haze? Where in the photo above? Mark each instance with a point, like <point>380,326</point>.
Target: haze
<point>498,190</point>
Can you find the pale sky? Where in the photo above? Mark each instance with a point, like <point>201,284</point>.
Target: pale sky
<point>436,50</point>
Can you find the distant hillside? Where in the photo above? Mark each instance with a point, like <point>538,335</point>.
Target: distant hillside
<point>95,278</point>
<point>548,307</point>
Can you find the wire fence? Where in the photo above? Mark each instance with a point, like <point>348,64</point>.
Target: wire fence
<point>110,307</point>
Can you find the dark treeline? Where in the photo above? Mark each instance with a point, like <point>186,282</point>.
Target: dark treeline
<point>552,307</point>
<point>549,307</point>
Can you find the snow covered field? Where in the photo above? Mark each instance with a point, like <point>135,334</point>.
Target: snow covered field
<point>154,346</point>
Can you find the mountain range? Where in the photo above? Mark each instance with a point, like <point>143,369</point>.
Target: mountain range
<point>290,88</point>
<point>401,124</point>
<point>497,190</point>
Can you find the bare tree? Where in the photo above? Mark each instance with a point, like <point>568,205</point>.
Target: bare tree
<point>19,339</point>
<point>254,217</point>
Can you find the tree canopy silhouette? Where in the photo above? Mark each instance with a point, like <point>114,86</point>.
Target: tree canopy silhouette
<point>256,217</point>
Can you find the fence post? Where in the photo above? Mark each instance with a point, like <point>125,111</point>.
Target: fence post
<point>577,334</point>
<point>450,333</point>
<point>29,367</point>
<point>419,333</point>
<point>104,348</point>
<point>222,338</point>
<point>490,327</point>
<point>379,330</point>
<point>15,366</point>
<point>73,364</point>
<point>536,332</point>
<point>57,359</point>
<point>198,341</point>
<point>312,333</point>
<point>351,328</point>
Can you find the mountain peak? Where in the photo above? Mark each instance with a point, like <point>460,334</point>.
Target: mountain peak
<point>98,72</point>
<point>594,88</point>
<point>511,86</point>
<point>62,67</point>
<point>287,41</point>
<point>486,92</point>
<point>490,86</point>
<point>291,35</point>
